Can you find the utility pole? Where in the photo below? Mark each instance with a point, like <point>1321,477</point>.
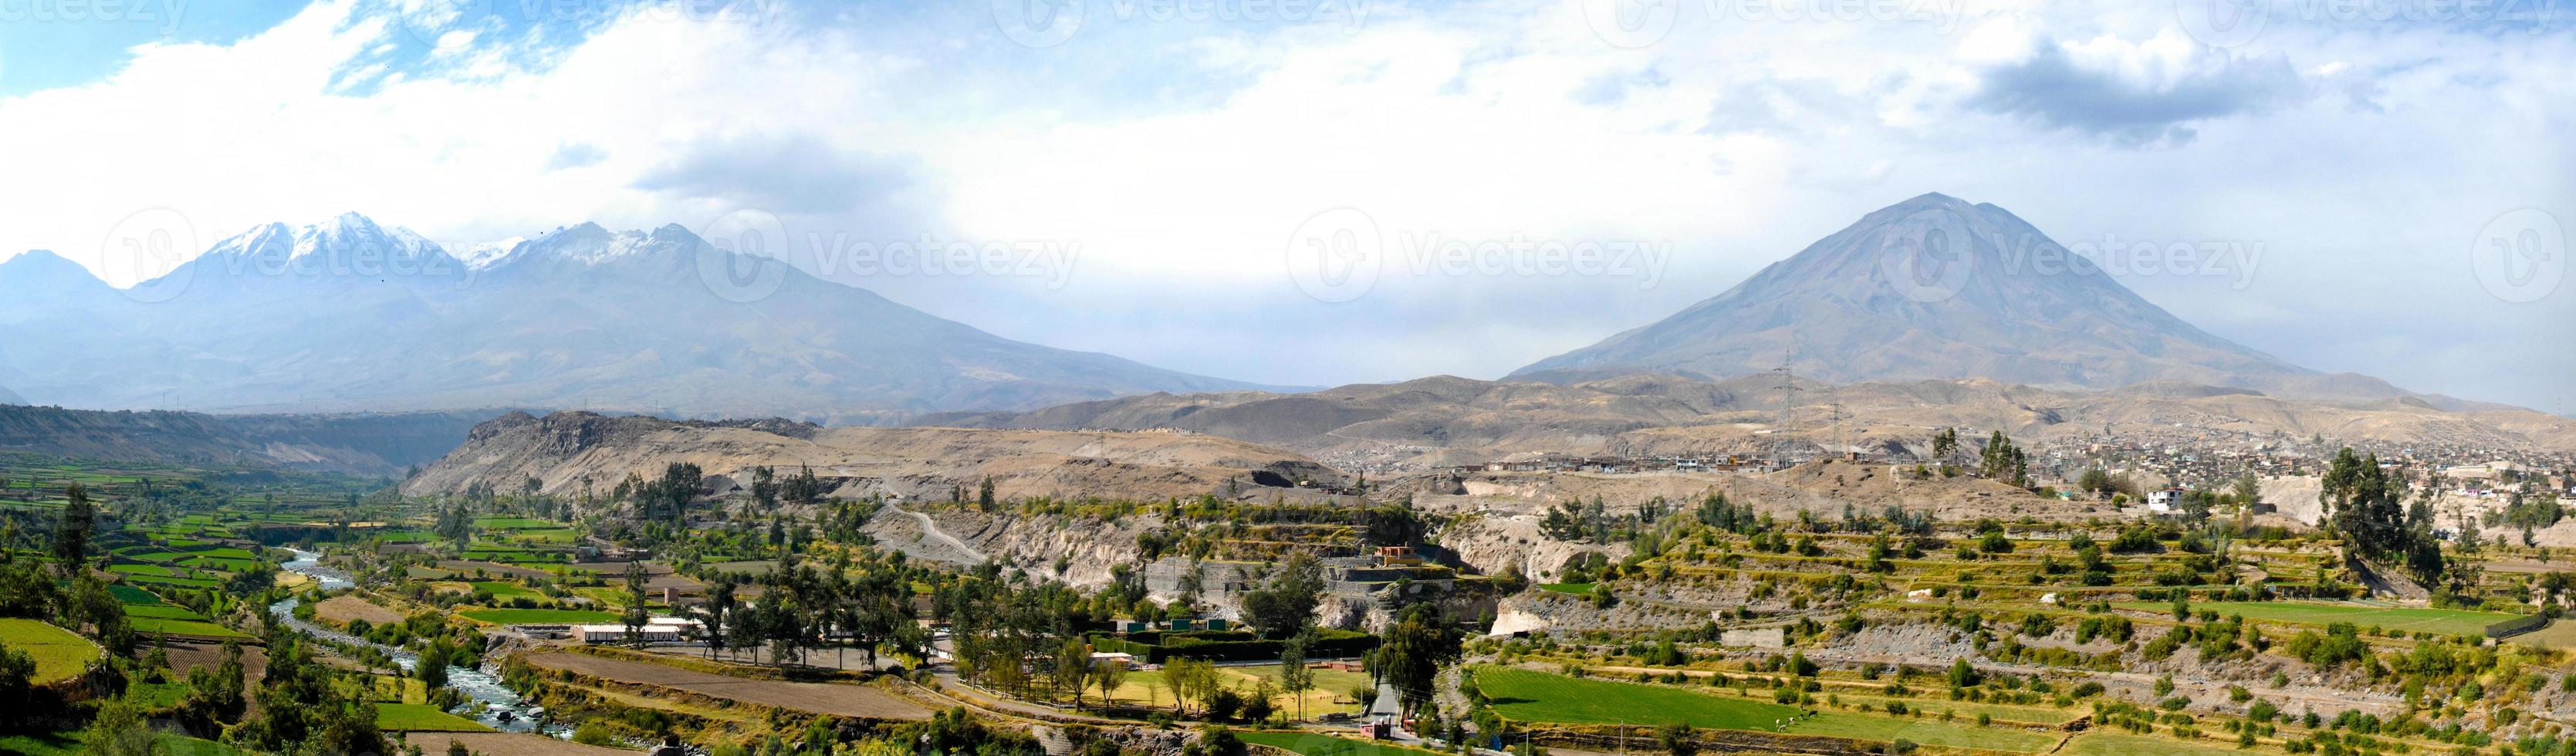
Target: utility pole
<point>1788,386</point>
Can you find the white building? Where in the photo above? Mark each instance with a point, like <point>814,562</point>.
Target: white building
<point>2164,500</point>
<point>656,630</point>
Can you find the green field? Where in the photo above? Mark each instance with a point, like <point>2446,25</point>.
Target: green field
<point>202,628</point>
<point>2445,621</point>
<point>59,653</point>
<point>1541,697</point>
<point>1311,744</point>
<point>423,718</point>
<point>506,590</point>
<point>132,595</point>
<point>1523,695</point>
<point>160,611</point>
<point>183,582</point>
<point>539,616</point>
<point>226,564</point>
<point>1578,589</point>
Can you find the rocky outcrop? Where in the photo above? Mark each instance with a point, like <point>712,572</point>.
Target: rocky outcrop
<point>563,450</point>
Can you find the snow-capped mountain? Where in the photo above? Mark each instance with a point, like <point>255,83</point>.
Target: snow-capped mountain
<point>348,314</point>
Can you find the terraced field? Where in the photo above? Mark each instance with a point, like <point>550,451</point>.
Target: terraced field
<point>1528,696</point>
<point>59,654</point>
<point>2445,621</point>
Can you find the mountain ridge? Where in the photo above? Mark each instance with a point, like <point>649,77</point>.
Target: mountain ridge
<point>349,314</point>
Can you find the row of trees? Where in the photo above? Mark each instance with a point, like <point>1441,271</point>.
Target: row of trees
<point>865,606</point>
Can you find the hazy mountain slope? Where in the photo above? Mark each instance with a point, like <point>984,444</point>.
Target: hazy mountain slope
<point>1937,288</point>
<point>564,448</point>
<point>351,315</point>
<point>1441,421</point>
<point>367,444</point>
<point>10,397</point>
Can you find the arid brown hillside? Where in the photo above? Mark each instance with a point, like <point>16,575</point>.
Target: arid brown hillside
<point>1422,424</point>
<point>564,449</point>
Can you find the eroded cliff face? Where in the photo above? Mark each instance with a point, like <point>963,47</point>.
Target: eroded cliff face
<point>563,450</point>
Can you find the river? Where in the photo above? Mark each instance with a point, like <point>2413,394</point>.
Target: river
<point>495,705</point>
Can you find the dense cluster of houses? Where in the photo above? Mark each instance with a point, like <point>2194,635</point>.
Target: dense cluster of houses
<point>1559,463</point>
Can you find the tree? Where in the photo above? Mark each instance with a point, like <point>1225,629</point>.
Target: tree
<point>1287,604</point>
<point>2095,481</point>
<point>71,536</point>
<point>17,673</point>
<point>2365,506</point>
<point>1944,444</point>
<point>1294,676</point>
<point>718,613</point>
<point>2248,490</point>
<point>120,730</point>
<point>635,616</point>
<point>1411,653</point>
<point>1963,674</point>
<point>2005,462</point>
<point>1073,669</point>
<point>1189,679</point>
<point>1108,678</point>
<point>1678,739</point>
<point>984,495</point>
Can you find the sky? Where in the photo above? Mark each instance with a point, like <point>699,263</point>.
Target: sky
<point>2371,186</point>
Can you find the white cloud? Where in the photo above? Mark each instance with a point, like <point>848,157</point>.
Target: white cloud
<point>1181,157</point>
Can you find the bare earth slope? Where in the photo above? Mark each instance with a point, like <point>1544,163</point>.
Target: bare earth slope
<point>563,449</point>
<point>1432,422</point>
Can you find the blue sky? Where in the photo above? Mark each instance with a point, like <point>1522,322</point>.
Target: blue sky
<point>1147,170</point>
